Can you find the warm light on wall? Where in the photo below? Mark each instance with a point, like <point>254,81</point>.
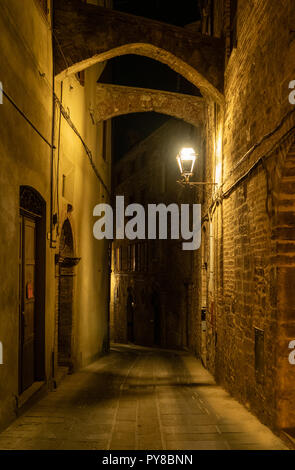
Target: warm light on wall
<point>218,173</point>
<point>218,158</point>
<point>219,145</point>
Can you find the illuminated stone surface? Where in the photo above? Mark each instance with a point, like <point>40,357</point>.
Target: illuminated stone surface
<point>115,100</point>
<point>88,34</point>
<point>139,398</point>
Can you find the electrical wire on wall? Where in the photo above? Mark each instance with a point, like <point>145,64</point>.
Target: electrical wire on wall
<point>87,149</point>
<point>58,162</point>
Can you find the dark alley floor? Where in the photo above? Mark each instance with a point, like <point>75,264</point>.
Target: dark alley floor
<point>139,398</point>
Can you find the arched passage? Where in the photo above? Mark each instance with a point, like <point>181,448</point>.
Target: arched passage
<point>87,34</point>
<point>114,100</point>
<point>67,263</point>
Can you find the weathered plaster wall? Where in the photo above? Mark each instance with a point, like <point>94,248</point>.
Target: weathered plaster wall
<point>84,191</point>
<point>25,160</point>
<point>26,73</point>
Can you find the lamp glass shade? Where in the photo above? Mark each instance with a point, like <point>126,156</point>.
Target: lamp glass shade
<point>186,160</point>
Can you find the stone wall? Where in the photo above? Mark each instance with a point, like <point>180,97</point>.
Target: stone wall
<point>245,347</point>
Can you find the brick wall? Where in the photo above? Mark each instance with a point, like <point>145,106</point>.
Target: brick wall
<point>250,272</point>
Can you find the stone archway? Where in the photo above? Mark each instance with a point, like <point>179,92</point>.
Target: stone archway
<point>284,269</point>
<point>67,262</point>
<point>87,34</point>
<point>115,100</point>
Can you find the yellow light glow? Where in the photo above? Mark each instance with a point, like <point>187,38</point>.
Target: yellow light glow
<point>186,161</point>
<point>219,145</point>
<point>218,173</point>
<point>187,154</point>
<point>179,163</point>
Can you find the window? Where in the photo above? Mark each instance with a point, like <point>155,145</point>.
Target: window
<point>118,258</point>
<point>129,258</point>
<point>143,257</point>
<point>63,191</point>
<point>119,177</point>
<point>124,258</point>
<point>233,24</point>
<point>143,159</point>
<point>162,178</point>
<point>136,257</point>
<point>143,196</point>
<point>146,256</point>
<point>138,163</point>
<point>81,77</point>
<point>132,167</point>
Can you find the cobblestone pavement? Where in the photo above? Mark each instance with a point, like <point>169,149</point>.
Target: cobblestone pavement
<point>139,398</point>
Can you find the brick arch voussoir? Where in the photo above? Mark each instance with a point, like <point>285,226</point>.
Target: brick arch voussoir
<point>208,90</point>
<point>116,100</point>
<point>85,34</point>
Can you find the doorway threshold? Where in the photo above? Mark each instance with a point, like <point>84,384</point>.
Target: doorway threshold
<point>29,393</point>
<point>61,373</point>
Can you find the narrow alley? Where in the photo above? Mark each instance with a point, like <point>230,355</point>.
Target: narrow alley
<point>147,216</point>
<point>139,398</point>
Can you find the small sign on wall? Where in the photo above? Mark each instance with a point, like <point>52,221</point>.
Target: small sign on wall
<point>29,290</point>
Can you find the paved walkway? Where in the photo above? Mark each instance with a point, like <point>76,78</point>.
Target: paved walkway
<point>139,398</point>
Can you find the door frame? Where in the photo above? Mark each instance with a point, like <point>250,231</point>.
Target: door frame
<point>33,206</point>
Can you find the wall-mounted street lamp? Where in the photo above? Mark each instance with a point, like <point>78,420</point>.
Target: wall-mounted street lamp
<point>186,160</point>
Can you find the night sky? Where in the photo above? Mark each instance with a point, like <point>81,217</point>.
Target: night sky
<point>177,13</point>
<point>132,70</point>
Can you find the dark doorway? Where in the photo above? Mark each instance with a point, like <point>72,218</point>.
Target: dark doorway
<point>156,306</point>
<point>67,262</point>
<point>31,288</point>
<point>130,316</point>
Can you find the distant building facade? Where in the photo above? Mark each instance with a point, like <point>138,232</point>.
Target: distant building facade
<point>151,279</point>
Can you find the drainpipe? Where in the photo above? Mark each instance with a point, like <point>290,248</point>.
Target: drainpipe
<point>52,379</point>
<point>52,132</point>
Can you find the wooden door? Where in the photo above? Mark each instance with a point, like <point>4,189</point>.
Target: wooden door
<point>27,315</point>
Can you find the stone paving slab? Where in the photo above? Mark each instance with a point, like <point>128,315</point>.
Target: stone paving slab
<point>139,398</point>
